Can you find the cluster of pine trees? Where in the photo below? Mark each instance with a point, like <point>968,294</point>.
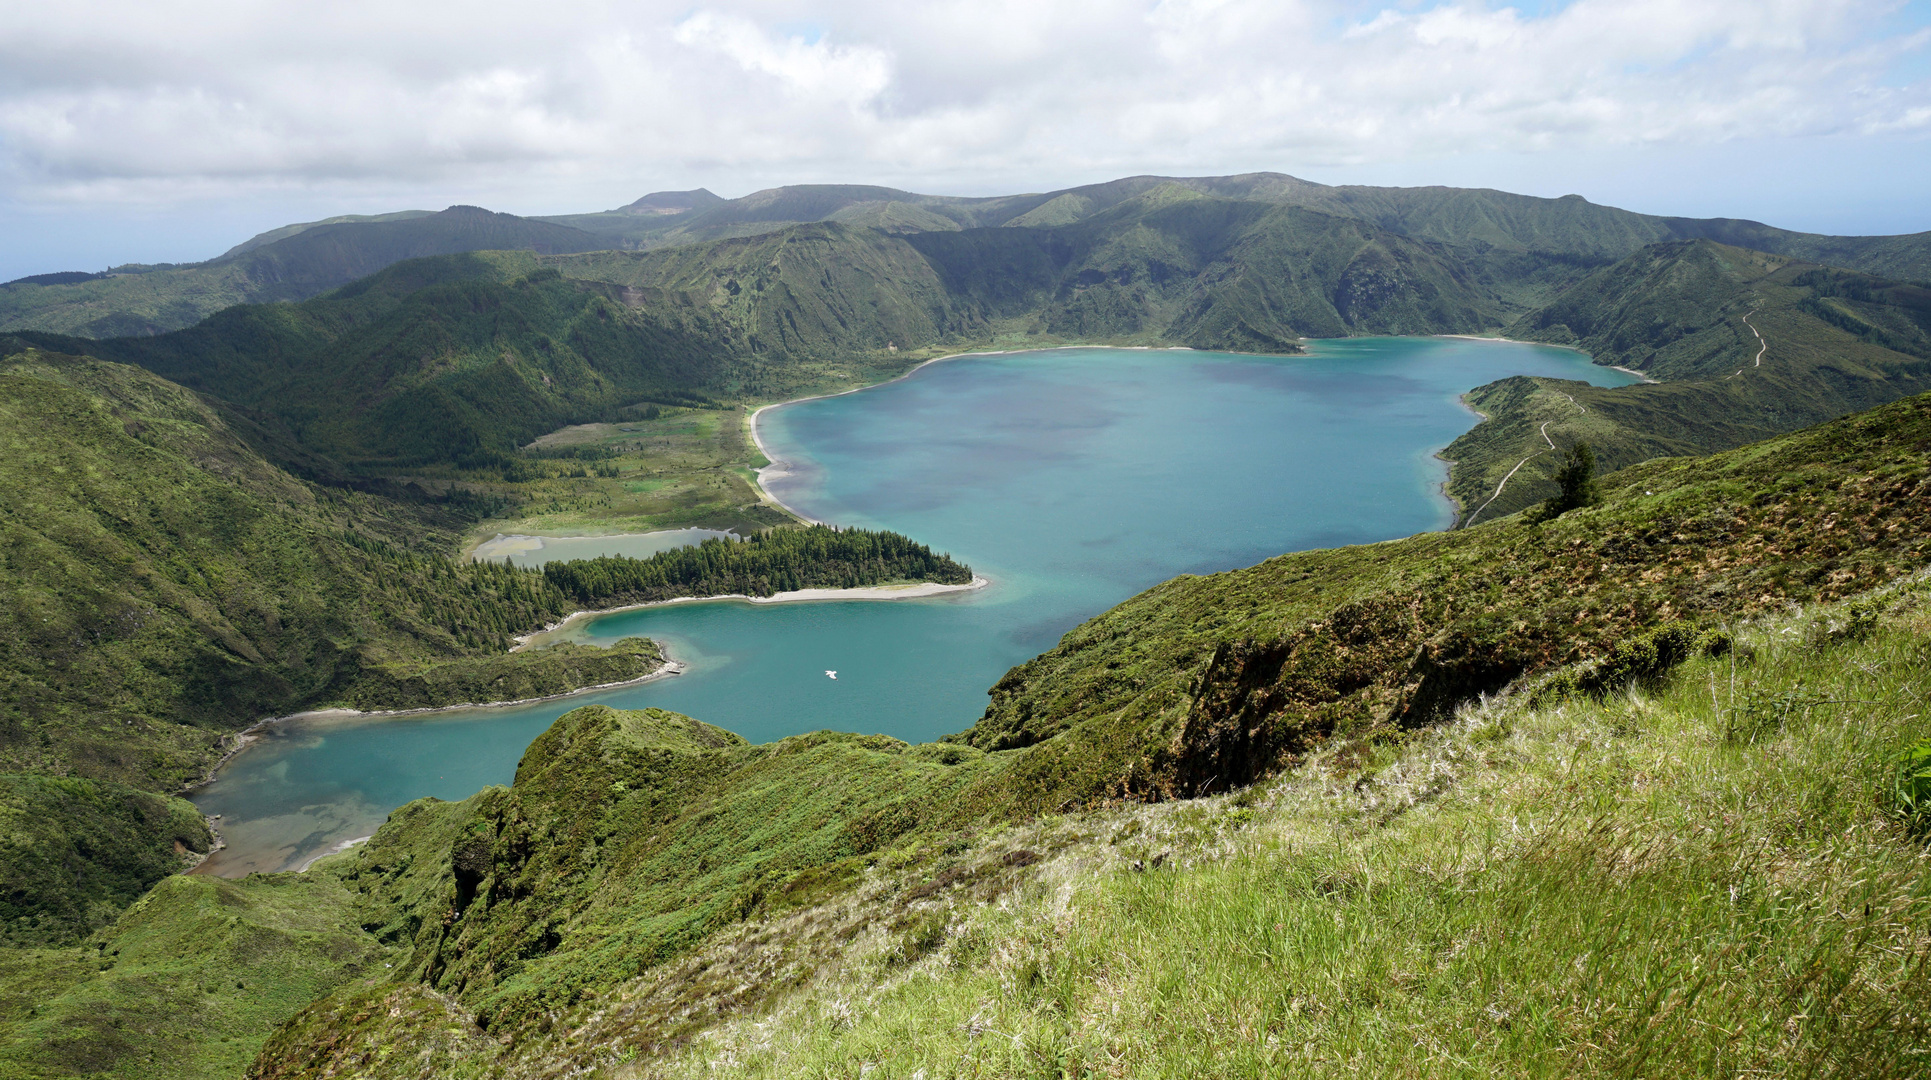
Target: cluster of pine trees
<point>818,557</point>
<point>480,605</point>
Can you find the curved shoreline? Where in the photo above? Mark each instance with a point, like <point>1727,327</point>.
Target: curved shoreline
<point>247,736</point>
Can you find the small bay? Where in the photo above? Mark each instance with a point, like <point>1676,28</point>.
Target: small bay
<point>1071,478</point>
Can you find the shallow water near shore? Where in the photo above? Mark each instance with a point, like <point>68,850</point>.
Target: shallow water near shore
<point>1072,478</point>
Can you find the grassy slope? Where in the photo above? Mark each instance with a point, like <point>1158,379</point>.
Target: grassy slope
<point>1838,341</point>
<point>186,983</point>
<point>682,468</point>
<point>74,852</point>
<point>1698,877</point>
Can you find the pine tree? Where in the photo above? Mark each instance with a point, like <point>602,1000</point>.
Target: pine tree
<point>1576,483</point>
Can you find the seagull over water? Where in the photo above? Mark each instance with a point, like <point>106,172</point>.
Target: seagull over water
<point>831,674</point>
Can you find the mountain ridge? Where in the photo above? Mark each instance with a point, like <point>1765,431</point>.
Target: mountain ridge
<point>1486,222</point>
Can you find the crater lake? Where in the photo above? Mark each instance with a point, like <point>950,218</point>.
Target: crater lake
<point>1071,478</point>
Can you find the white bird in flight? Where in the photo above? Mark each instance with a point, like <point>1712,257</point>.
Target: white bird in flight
<point>831,674</point>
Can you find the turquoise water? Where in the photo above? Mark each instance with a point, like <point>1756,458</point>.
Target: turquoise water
<point>1071,478</point>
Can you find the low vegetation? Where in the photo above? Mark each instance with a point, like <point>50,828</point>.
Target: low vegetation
<point>1706,874</point>
<point>74,852</point>
<point>186,983</point>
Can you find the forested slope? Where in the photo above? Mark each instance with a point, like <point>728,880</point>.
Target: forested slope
<point>433,360</point>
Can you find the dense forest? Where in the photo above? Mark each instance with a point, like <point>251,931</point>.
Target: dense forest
<point>818,557</point>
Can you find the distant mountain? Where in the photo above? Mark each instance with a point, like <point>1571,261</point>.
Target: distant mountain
<point>1522,249</point>
<point>65,277</point>
<point>1168,265</point>
<point>292,263</point>
<point>435,359</point>
<point>673,202</point>
<point>1464,217</point>
<point>286,231</point>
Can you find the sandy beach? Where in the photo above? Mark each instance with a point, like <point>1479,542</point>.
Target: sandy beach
<point>910,591</point>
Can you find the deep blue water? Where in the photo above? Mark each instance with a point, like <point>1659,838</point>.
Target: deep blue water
<point>1073,479</point>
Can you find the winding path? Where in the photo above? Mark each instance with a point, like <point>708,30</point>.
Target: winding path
<point>1763,345</point>
<point>1544,432</point>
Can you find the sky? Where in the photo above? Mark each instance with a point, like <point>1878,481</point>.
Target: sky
<point>152,130</point>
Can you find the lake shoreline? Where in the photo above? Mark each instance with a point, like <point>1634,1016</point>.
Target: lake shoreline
<point>914,591</point>
<point>248,736</point>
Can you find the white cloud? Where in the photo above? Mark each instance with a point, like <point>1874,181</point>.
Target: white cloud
<point>133,100</point>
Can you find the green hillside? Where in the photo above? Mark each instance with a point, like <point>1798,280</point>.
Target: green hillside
<point>1667,882</point>
<point>648,876</point>
<point>441,359</point>
<point>1747,344</point>
<point>165,586</point>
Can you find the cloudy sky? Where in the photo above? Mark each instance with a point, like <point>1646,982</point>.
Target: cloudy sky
<point>153,130</point>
